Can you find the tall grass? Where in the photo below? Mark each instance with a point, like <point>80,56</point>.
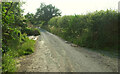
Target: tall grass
<point>8,59</point>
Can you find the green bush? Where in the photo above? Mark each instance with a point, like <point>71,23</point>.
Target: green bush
<point>14,43</point>
<point>94,30</point>
<point>8,63</point>
<point>8,58</point>
<point>26,48</point>
<point>31,31</point>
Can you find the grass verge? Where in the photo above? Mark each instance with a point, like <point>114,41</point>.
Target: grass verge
<point>8,59</point>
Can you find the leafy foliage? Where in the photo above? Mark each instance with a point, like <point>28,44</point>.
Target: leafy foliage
<point>26,48</point>
<point>8,63</point>
<point>97,30</point>
<point>45,13</point>
<point>30,17</point>
<point>14,42</point>
<point>31,31</point>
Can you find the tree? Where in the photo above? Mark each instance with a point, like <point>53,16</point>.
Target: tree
<point>30,17</point>
<point>12,13</point>
<point>46,12</point>
<point>12,21</point>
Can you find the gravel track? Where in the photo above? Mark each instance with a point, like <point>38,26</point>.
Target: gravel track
<point>53,54</point>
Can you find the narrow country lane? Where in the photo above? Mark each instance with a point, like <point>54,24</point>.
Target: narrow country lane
<point>53,54</point>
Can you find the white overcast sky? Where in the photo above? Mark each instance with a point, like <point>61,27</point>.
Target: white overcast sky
<point>71,7</point>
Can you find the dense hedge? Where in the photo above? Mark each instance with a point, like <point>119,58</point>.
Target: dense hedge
<point>94,30</point>
<point>31,31</point>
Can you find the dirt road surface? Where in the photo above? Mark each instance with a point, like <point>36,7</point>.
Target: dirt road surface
<point>52,54</point>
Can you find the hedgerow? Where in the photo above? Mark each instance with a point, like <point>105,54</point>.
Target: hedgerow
<point>94,30</point>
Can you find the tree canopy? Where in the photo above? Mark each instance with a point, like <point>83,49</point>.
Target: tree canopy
<point>30,17</point>
<point>46,12</point>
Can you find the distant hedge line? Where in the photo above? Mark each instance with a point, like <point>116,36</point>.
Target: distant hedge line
<point>94,30</point>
